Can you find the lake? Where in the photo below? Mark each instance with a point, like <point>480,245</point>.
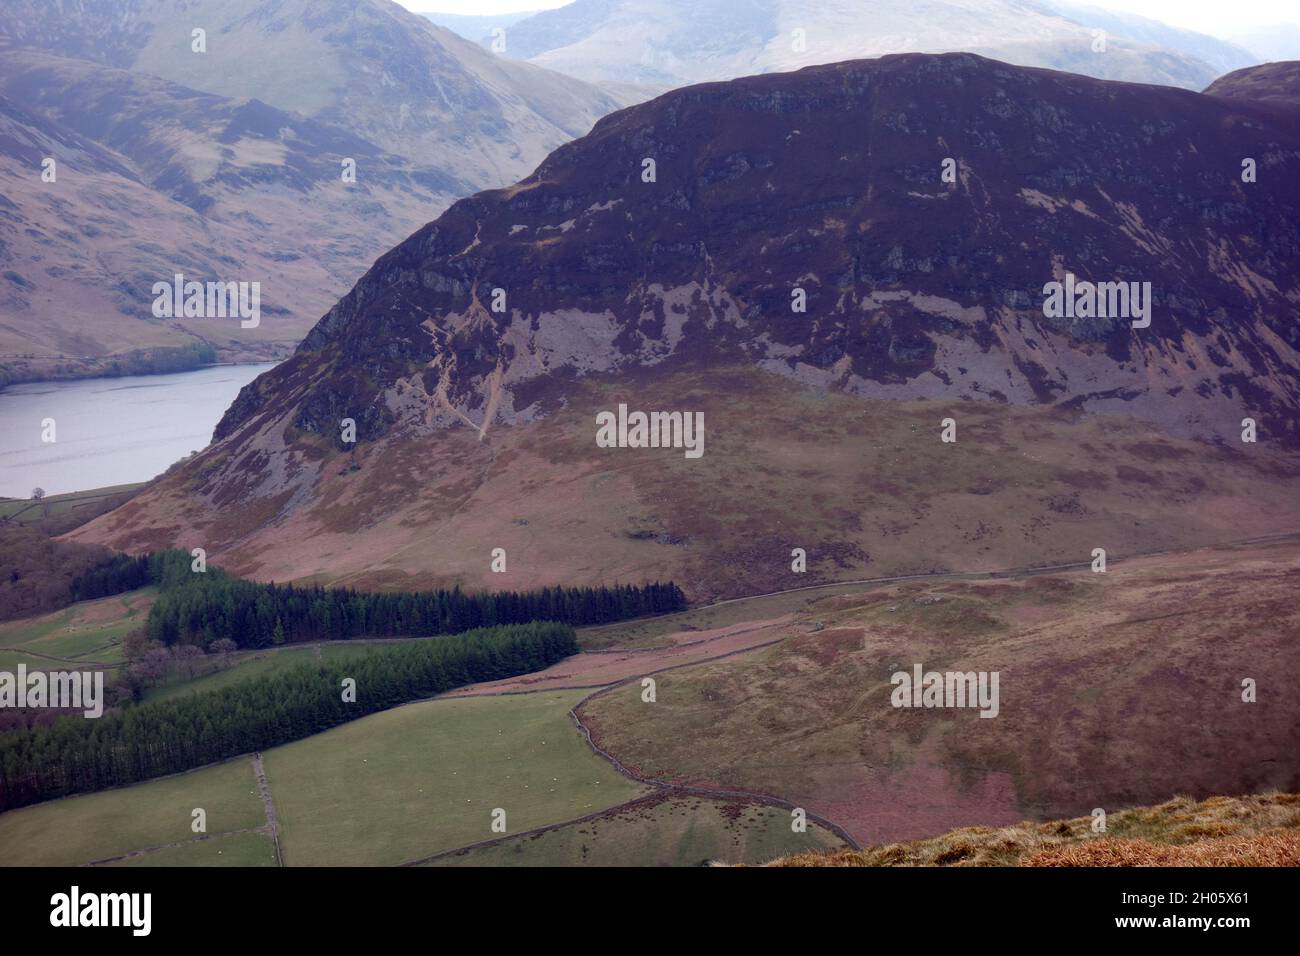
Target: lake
<point>110,431</point>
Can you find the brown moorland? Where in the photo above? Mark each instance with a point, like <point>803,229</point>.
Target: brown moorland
<point>1116,689</point>
<point>866,487</point>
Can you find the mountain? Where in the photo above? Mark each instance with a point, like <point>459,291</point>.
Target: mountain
<point>925,300</point>
<point>1220,54</point>
<point>688,41</point>
<point>227,165</point>
<point>369,66</point>
<point>476,27</point>
<point>1273,86</point>
<point>155,178</point>
<point>78,255</point>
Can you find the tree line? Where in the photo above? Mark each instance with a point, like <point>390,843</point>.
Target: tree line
<point>201,609</point>
<point>207,610</point>
<point>78,755</point>
<point>123,572</point>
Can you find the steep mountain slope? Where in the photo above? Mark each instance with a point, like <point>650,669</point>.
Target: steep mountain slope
<point>267,180</point>
<point>248,187</point>
<point>688,41</point>
<point>78,257</point>
<point>925,300</point>
<point>1273,86</point>
<point>369,66</point>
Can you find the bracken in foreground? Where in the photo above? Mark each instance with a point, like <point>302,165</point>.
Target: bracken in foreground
<point>1258,830</point>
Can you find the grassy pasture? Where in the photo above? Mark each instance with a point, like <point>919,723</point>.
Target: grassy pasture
<point>59,514</point>
<point>389,788</point>
<point>233,849</point>
<point>86,631</point>
<point>97,826</point>
<point>672,831</point>
<point>407,783</point>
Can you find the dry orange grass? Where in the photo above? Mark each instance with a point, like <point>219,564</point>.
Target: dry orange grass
<point>1256,830</point>
<point>1275,848</point>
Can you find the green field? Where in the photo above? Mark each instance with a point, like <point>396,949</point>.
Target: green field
<point>407,783</point>
<point>389,788</point>
<point>394,787</point>
<point>89,631</point>
<point>673,831</point>
<point>234,849</point>
<point>26,511</point>
<point>98,826</point>
<point>261,663</point>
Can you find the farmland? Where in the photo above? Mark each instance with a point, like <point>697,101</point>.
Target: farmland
<point>101,826</point>
<point>663,830</point>
<point>390,788</point>
<point>88,633</point>
<point>410,782</point>
<point>419,783</point>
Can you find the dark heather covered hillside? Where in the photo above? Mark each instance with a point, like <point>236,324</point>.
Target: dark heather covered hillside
<point>677,293</point>
<point>1274,86</point>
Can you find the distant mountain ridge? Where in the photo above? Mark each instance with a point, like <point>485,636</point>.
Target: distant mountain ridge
<point>1220,54</point>
<point>219,189</point>
<point>367,65</point>
<point>474,27</point>
<point>1272,42</point>
<point>248,138</point>
<point>677,42</point>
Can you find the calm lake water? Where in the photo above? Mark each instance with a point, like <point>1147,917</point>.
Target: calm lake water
<point>110,431</point>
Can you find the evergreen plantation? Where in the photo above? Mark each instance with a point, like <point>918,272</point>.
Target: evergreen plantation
<point>259,615</point>
<point>77,755</point>
<point>195,608</point>
<point>122,572</point>
<point>490,636</point>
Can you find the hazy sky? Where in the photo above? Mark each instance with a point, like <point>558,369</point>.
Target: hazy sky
<point>1220,17</point>
<point>481,7</point>
<point>1209,16</point>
